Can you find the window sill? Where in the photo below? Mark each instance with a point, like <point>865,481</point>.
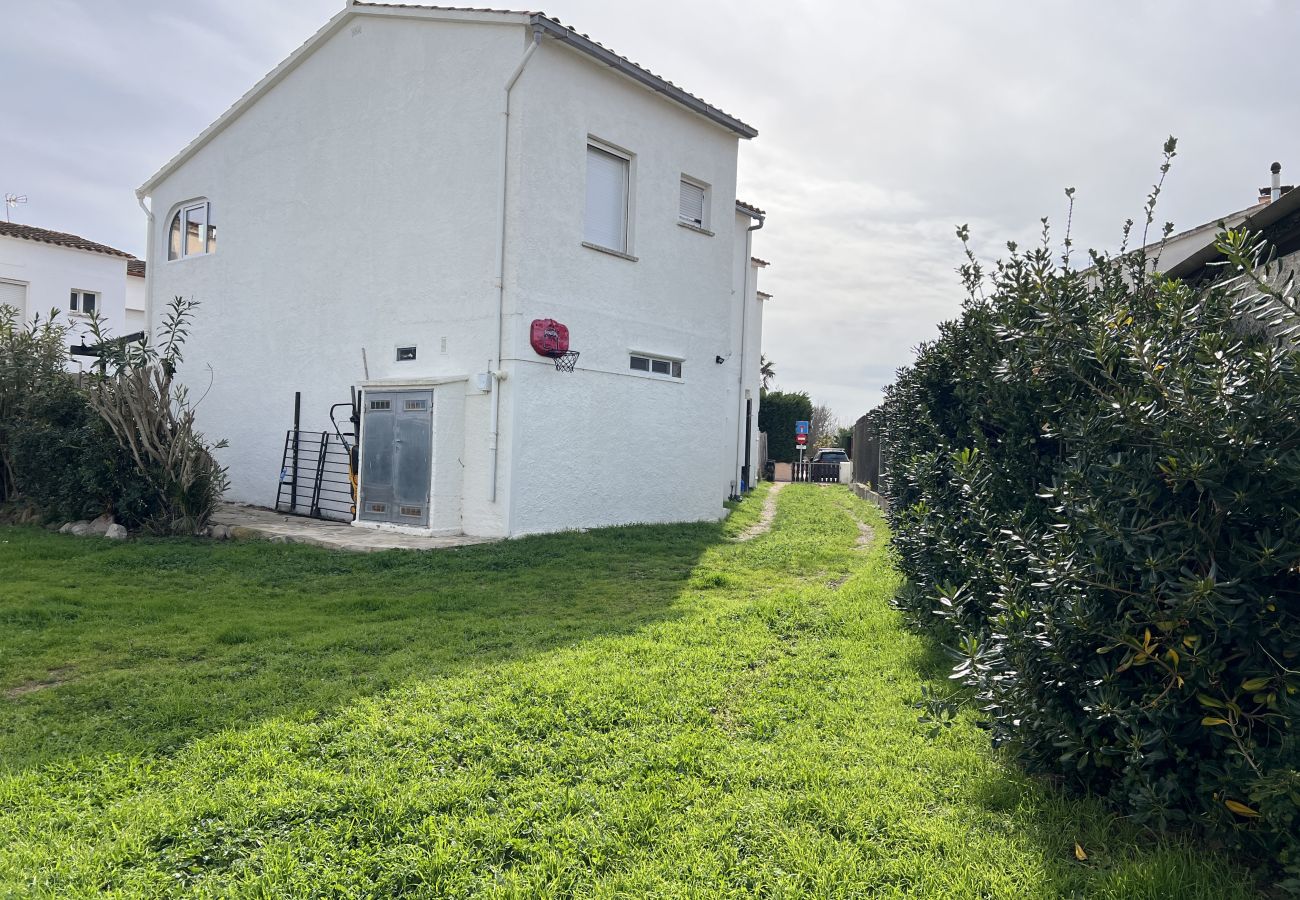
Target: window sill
<point>691,226</point>
<point>619,253</point>
<point>651,376</point>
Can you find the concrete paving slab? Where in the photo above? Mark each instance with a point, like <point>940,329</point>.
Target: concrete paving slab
<point>258,521</point>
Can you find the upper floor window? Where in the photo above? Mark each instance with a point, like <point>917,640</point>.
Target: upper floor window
<point>607,189</point>
<point>692,205</point>
<point>192,232</point>
<point>84,302</point>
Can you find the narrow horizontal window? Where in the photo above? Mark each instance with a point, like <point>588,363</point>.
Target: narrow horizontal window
<point>416,404</point>
<point>656,365</point>
<point>413,511</point>
<point>381,404</point>
<point>405,354</point>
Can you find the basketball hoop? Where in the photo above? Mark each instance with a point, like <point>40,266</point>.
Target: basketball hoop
<point>566,361</point>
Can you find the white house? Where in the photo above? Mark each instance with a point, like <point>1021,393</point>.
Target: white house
<point>43,270</point>
<point>397,205</point>
<point>135,296</point>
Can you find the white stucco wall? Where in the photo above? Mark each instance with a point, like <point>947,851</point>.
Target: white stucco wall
<point>52,272</point>
<point>135,303</point>
<point>608,445</point>
<point>356,209</point>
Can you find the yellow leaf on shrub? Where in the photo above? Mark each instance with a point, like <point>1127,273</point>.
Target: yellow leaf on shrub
<point>1254,684</point>
<point>1240,809</point>
<point>1211,721</point>
<point>1078,852</point>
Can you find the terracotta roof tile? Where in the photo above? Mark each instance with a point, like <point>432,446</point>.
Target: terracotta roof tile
<point>749,208</point>
<point>58,238</point>
<point>135,267</point>
<point>759,262</point>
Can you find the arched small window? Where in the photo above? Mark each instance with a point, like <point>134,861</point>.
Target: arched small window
<point>192,232</point>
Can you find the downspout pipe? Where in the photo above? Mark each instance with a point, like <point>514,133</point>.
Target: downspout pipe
<point>148,268</point>
<point>744,320</point>
<point>496,373</point>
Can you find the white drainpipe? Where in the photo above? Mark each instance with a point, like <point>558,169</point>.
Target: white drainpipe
<point>148,270</point>
<point>497,374</point>
<point>744,318</point>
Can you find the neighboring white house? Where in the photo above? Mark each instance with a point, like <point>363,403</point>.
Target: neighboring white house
<point>1180,251</point>
<point>135,296</point>
<point>398,204</point>
<point>43,270</point>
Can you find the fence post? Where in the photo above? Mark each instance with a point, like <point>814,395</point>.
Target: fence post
<point>293,475</point>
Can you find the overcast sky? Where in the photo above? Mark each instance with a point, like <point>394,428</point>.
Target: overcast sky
<point>881,125</point>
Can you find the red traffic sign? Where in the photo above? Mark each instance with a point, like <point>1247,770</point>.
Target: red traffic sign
<point>801,439</point>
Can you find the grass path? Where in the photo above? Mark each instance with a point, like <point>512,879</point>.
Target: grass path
<point>638,712</point>
<point>767,517</point>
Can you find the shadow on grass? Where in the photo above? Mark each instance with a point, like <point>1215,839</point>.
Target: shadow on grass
<point>1121,860</point>
<point>139,648</point>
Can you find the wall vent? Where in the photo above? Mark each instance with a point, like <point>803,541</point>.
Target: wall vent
<point>412,511</point>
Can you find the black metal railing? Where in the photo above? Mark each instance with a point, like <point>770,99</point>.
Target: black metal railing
<point>816,472</point>
<point>316,477</point>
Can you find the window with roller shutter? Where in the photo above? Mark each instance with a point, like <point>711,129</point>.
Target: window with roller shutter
<point>607,189</point>
<point>14,293</point>
<point>691,205</point>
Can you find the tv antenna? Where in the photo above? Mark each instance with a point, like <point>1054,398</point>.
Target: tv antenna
<point>12,200</point>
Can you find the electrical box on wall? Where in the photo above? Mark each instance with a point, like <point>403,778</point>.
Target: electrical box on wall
<point>483,381</point>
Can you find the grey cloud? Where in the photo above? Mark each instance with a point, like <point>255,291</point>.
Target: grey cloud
<point>882,126</point>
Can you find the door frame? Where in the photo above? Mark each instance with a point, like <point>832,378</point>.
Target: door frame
<point>406,387</point>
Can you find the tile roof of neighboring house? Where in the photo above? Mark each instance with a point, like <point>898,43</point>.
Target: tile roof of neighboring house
<point>749,209</point>
<point>1257,218</point>
<point>539,22</point>
<point>58,238</point>
<point>759,262</point>
<point>135,267</point>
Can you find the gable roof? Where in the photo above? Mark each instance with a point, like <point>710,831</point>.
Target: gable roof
<point>1261,217</point>
<point>539,22</point>
<point>58,239</point>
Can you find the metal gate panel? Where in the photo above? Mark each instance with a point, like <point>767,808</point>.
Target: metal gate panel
<point>414,442</point>
<point>396,457</point>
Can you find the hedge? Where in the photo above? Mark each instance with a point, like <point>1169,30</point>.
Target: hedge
<point>1095,499</point>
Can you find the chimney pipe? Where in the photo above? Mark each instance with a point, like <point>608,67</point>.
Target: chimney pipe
<point>1276,190</point>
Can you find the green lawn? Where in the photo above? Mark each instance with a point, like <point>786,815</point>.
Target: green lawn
<point>631,712</point>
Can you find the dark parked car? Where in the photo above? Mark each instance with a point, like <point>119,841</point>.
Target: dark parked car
<point>830,455</point>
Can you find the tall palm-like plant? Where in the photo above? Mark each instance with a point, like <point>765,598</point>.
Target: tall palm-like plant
<point>766,370</point>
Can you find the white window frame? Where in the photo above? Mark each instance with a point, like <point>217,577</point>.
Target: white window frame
<point>706,197</point>
<point>672,363</point>
<point>629,178</point>
<point>79,308</point>
<point>179,217</point>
